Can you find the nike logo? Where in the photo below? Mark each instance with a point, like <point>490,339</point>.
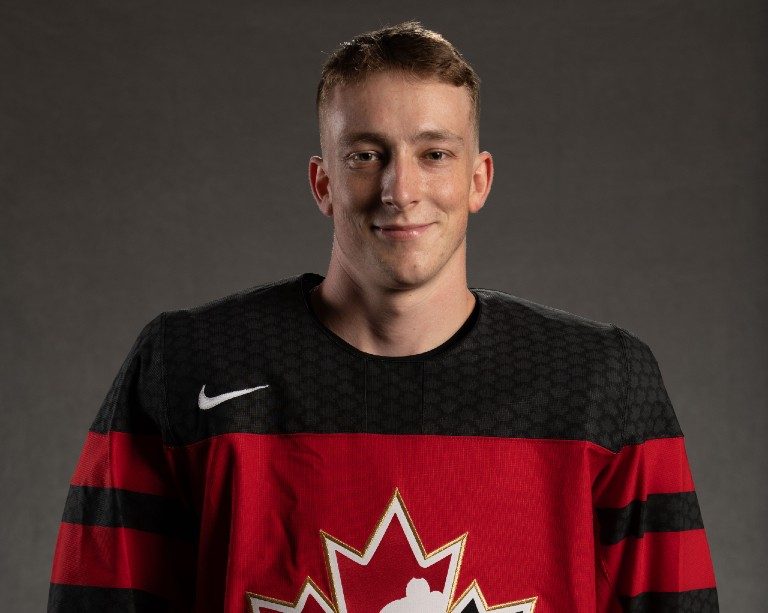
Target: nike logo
<point>208,402</point>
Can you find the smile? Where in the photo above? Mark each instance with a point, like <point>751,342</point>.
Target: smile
<point>402,232</point>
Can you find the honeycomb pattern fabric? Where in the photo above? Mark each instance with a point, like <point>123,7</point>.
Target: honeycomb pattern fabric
<point>537,372</point>
<point>514,371</point>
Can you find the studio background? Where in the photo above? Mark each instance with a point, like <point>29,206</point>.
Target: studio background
<point>154,157</point>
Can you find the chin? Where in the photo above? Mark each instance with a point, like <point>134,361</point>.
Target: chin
<point>404,277</point>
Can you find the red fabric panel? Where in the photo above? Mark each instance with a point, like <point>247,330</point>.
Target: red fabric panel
<point>126,461</point>
<point>119,557</point>
<point>525,505</point>
<point>658,466</point>
<point>661,562</point>
<point>525,508</point>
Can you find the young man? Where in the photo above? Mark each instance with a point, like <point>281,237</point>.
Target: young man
<point>385,438</point>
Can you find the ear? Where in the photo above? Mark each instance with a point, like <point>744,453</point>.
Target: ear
<point>482,177</point>
<point>319,183</point>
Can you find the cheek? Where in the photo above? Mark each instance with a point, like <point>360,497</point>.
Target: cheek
<point>450,188</point>
<point>356,199</point>
<point>347,184</point>
<point>351,225</point>
<point>346,218</point>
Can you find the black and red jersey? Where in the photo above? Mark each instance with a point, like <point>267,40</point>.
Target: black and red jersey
<point>246,459</point>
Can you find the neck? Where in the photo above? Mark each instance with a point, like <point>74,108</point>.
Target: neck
<point>388,322</point>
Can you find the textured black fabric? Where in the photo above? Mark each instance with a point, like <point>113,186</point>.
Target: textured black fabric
<point>649,412</point>
<point>535,372</point>
<point>393,397</point>
<point>135,401</point>
<point>99,506</point>
<point>694,601</point>
<point>660,513</point>
<point>87,599</point>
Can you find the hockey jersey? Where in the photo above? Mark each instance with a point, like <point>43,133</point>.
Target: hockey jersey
<point>246,459</point>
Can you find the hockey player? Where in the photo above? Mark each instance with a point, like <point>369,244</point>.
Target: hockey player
<point>385,438</point>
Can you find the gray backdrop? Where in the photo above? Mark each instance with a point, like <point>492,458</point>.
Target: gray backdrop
<point>154,157</point>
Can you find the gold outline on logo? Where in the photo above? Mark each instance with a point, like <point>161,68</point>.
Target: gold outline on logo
<point>333,603</point>
<point>474,586</point>
<point>308,583</point>
<point>396,498</point>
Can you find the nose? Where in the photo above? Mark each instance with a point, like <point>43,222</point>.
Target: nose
<point>400,182</point>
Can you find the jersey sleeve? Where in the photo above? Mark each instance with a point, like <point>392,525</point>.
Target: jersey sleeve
<point>127,537</point>
<point>652,550</point>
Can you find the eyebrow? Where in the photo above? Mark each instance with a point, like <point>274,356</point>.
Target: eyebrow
<point>376,137</point>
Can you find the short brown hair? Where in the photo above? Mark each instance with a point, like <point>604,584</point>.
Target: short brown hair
<point>407,47</point>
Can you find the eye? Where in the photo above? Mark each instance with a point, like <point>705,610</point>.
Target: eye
<point>437,156</point>
<point>362,156</point>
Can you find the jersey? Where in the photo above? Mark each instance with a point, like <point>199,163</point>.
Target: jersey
<point>248,459</point>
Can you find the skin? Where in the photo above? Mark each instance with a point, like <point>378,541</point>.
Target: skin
<point>397,297</point>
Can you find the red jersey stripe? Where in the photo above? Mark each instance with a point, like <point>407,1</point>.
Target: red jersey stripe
<point>657,466</point>
<point>134,462</point>
<point>119,558</point>
<point>660,562</point>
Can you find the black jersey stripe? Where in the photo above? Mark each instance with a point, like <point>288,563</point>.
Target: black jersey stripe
<point>693,601</point>
<point>88,599</point>
<point>659,513</point>
<point>112,507</point>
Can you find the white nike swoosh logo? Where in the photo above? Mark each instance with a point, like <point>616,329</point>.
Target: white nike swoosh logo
<point>208,402</point>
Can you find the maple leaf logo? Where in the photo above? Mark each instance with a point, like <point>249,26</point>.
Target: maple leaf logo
<point>428,580</point>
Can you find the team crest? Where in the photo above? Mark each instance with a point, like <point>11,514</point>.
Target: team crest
<point>416,581</point>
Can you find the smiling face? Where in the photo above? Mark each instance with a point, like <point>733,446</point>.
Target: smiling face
<point>399,151</point>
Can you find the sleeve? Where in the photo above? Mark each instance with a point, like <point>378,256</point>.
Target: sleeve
<point>127,538</point>
<point>652,550</point>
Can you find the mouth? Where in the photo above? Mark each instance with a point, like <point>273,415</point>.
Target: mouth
<point>402,232</point>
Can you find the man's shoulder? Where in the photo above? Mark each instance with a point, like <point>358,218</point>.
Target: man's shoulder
<point>509,311</point>
<point>523,334</point>
<point>264,316</point>
<point>566,331</point>
<point>256,299</point>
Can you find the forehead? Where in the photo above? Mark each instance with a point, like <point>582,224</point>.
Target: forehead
<point>397,104</point>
